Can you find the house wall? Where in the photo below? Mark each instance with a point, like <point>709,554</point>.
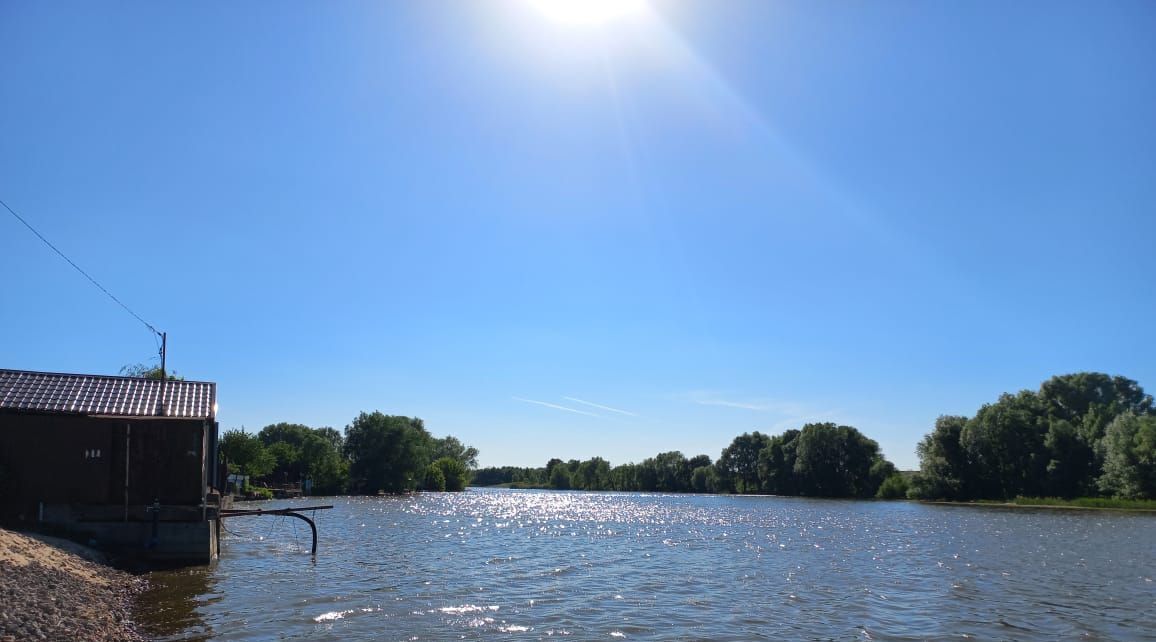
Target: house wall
<point>73,459</point>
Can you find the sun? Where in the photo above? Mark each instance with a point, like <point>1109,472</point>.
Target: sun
<point>587,12</point>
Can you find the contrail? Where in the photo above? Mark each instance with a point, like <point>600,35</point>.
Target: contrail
<point>600,406</point>
<point>556,407</point>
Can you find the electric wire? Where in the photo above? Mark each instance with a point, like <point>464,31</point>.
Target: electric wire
<point>78,269</point>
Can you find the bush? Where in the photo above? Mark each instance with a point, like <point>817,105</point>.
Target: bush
<point>435,479</point>
<point>894,487</point>
<point>455,475</point>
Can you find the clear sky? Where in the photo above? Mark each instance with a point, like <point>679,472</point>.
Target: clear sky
<point>565,238</point>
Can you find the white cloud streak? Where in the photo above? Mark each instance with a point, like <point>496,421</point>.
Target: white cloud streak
<point>795,415</point>
<point>707,398</point>
<point>600,406</point>
<point>556,406</point>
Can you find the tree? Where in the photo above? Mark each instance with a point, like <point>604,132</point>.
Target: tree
<point>672,472</point>
<point>894,487</point>
<point>246,453</point>
<point>434,479</point>
<point>624,477</point>
<point>293,434</point>
<point>145,371</point>
<point>332,436</point>
<point>560,477</point>
<point>838,461</point>
<point>1079,408</point>
<point>1081,396</point>
<point>1070,460</point>
<point>698,460</point>
<point>777,464</point>
<point>704,479</point>
<point>592,474</point>
<point>454,472</point>
<point>945,471</point>
<point>452,447</point>
<point>288,457</point>
<point>1006,442</point>
<point>1130,457</point>
<point>307,453</point>
<point>323,463</point>
<point>386,453</point>
<point>738,465</point>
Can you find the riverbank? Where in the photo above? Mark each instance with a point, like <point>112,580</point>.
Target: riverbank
<point>55,590</point>
<point>1079,503</point>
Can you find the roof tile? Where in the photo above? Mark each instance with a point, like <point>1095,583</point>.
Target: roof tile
<point>103,395</point>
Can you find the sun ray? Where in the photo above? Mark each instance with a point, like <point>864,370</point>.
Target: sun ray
<point>587,12</point>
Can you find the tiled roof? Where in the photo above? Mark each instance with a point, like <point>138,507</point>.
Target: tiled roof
<point>101,395</point>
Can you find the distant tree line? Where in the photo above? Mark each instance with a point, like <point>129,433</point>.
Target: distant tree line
<point>376,454</point>
<point>819,460</point>
<point>1080,435</point>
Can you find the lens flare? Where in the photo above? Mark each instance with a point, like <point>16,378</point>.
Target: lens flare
<point>587,12</point>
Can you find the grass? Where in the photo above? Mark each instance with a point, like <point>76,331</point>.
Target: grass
<point>1079,502</point>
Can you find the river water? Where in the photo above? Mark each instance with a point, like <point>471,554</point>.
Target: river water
<point>536,565</point>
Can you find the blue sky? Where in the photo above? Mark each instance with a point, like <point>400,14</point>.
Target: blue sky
<point>566,240</point>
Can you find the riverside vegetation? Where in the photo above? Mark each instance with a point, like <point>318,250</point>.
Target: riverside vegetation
<point>1080,435</point>
<point>1087,435</point>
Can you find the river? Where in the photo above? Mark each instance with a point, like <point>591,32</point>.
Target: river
<point>536,565</point>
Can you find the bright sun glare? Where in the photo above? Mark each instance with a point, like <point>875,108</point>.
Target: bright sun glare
<point>587,12</point>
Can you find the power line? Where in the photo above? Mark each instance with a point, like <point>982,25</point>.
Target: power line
<point>86,275</point>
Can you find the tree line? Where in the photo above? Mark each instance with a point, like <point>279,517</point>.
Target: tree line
<point>1080,435</point>
<point>818,460</point>
<point>377,453</point>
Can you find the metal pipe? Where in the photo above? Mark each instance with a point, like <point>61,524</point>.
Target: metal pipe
<point>281,511</point>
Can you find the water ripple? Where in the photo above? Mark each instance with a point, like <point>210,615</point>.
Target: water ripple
<point>522,565</point>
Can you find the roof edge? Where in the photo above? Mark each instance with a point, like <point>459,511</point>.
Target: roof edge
<point>101,376</point>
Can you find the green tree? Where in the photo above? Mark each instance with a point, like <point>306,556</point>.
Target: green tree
<point>454,472</point>
<point>1006,441</point>
<point>145,371</point>
<point>1071,460</point>
<point>288,457</point>
<point>386,453</point>
<point>704,479</point>
<point>307,453</point>
<point>1130,457</point>
<point>1092,400</point>
<point>624,477</point>
<point>837,461</point>
<point>592,474</point>
<point>894,487</point>
<point>434,479</point>
<point>246,454</point>
<point>777,464</point>
<point>324,464</point>
<point>738,465</point>
<point>945,470</point>
<point>453,448</point>
<point>332,436</point>
<point>672,472</point>
<point>560,477</point>
<point>1079,407</point>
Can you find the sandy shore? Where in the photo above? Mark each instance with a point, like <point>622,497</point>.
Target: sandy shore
<point>55,590</point>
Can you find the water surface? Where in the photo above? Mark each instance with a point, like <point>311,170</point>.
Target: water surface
<point>536,565</point>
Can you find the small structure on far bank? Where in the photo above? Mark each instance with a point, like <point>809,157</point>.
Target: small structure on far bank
<point>128,462</point>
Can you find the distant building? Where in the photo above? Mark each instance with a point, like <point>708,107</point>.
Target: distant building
<point>128,462</point>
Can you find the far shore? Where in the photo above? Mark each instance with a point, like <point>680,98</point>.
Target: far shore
<point>1053,505</point>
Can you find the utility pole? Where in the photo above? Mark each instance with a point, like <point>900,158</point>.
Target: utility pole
<point>164,376</point>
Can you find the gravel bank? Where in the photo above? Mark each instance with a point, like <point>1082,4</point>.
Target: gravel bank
<point>48,593</point>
